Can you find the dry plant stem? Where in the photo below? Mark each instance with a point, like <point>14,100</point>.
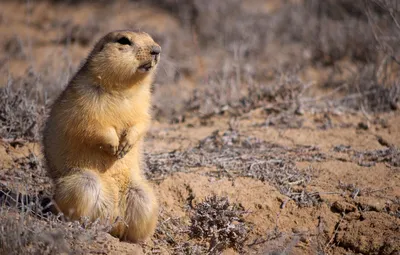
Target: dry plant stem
<point>374,27</point>
<point>335,232</point>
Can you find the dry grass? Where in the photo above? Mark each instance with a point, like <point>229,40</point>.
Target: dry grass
<point>235,155</point>
<point>328,32</point>
<point>20,116</point>
<point>389,156</point>
<point>168,229</point>
<point>235,91</point>
<point>26,174</point>
<point>25,229</point>
<point>366,32</point>
<point>333,30</point>
<point>26,224</point>
<point>21,234</point>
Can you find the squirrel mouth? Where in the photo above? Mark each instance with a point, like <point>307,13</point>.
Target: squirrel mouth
<point>149,65</point>
<point>145,67</point>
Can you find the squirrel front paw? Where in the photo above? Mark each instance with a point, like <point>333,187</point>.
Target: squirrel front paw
<point>127,141</point>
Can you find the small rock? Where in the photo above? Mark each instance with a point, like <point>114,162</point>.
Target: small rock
<point>341,206</point>
<point>299,230</point>
<point>363,125</point>
<point>383,141</point>
<point>299,111</point>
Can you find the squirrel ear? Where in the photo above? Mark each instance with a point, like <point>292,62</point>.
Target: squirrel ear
<point>99,46</point>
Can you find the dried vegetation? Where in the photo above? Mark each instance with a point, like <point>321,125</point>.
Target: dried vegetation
<point>220,223</point>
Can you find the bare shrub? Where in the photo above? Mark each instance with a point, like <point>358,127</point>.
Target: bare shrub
<point>220,222</point>
<point>341,30</point>
<point>208,26</point>
<point>383,18</point>
<point>80,34</point>
<point>329,30</point>
<point>366,32</point>
<point>222,23</point>
<point>20,116</point>
<point>369,93</point>
<point>333,29</point>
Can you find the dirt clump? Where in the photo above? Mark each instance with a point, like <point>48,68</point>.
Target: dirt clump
<point>369,233</point>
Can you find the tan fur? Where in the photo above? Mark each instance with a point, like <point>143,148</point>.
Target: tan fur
<point>93,137</point>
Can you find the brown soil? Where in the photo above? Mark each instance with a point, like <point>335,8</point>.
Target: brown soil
<point>343,199</point>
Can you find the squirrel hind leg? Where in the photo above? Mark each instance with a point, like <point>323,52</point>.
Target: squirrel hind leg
<point>140,210</point>
<point>83,194</point>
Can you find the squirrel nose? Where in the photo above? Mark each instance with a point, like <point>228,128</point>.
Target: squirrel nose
<point>155,50</point>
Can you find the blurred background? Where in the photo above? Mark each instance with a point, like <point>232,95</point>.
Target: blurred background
<point>218,56</point>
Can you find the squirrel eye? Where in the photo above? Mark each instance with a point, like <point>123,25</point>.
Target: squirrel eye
<point>124,41</point>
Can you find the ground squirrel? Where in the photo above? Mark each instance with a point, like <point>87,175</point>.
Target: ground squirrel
<point>93,136</point>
